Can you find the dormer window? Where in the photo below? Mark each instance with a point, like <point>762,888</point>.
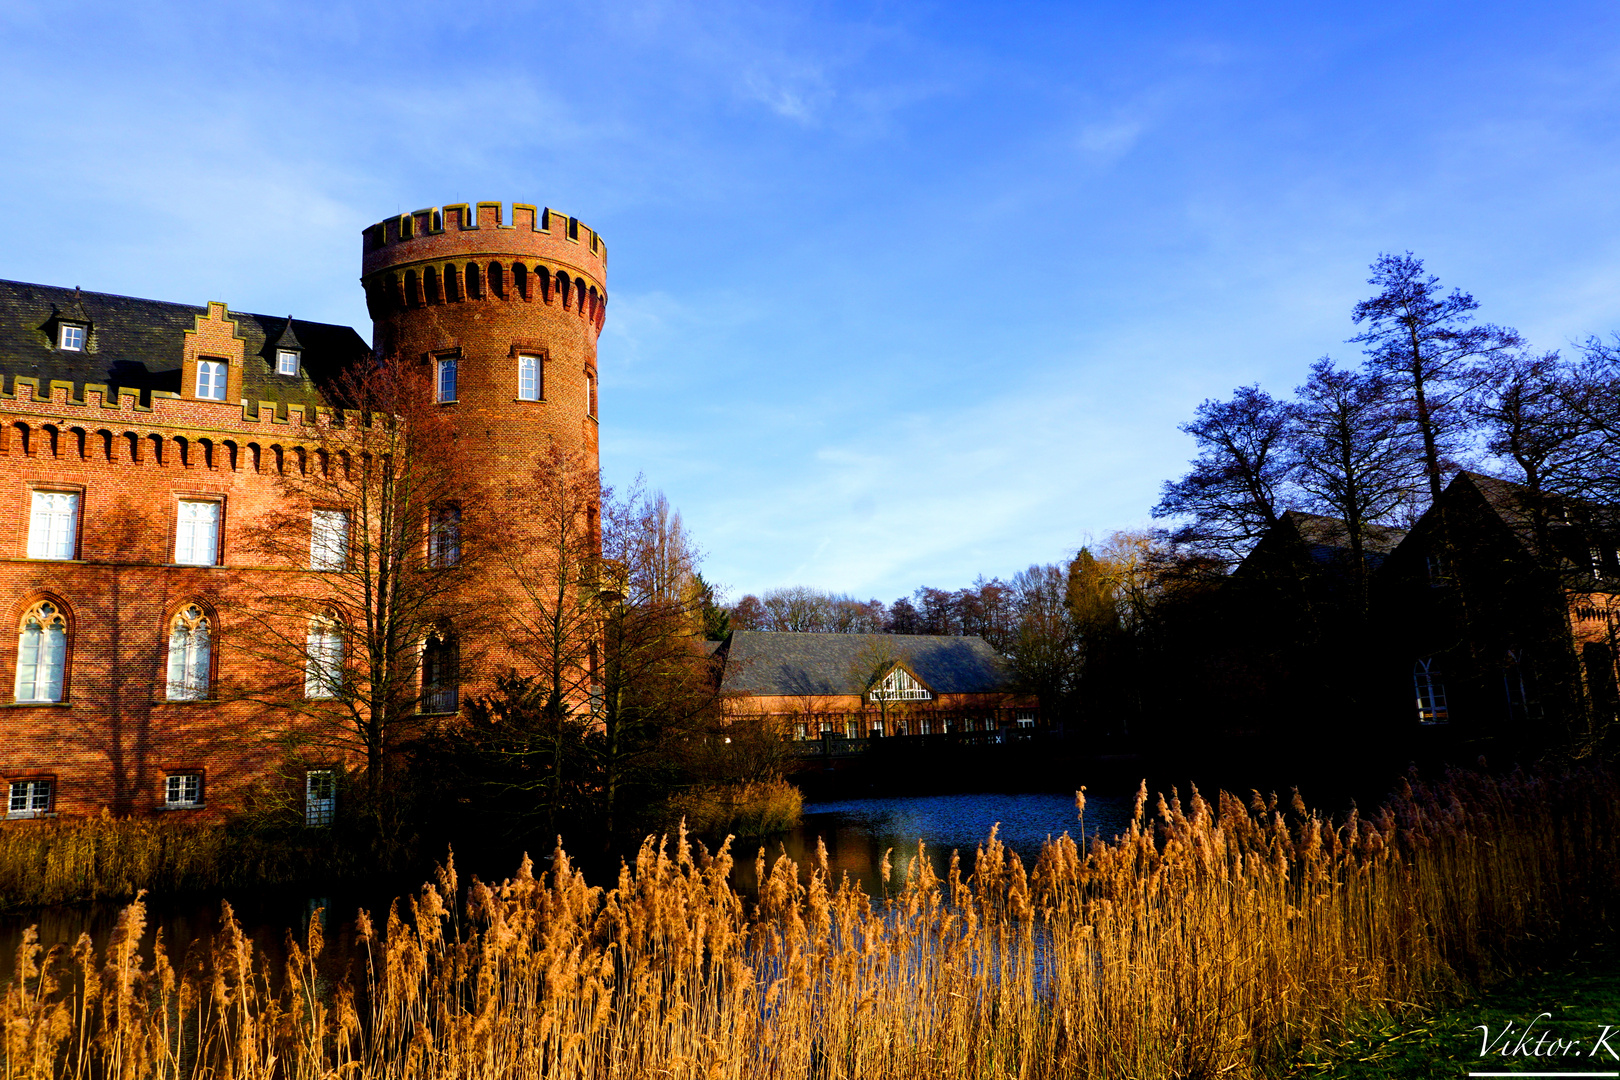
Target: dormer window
<point>211,380</point>
<point>70,336</point>
<point>286,361</point>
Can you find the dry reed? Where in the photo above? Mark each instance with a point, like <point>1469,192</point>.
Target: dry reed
<point>1209,940</point>
<point>64,860</point>
<point>754,808</point>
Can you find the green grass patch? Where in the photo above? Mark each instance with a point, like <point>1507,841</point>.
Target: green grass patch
<point>1565,1002</point>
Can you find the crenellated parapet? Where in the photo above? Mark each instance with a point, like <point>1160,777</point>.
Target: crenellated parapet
<point>92,424</point>
<point>461,254</point>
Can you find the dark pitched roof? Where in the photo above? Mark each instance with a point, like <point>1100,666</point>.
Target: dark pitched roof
<point>762,662</point>
<point>1328,539</point>
<point>136,344</point>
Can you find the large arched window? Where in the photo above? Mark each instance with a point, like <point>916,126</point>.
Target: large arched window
<point>190,650</point>
<point>1431,691</point>
<point>41,653</point>
<point>441,682</point>
<point>323,669</point>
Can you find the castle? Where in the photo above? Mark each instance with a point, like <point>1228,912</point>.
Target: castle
<point>140,442</point>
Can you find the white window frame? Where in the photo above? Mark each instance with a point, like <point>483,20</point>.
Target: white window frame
<point>53,524</point>
<point>286,361</point>
<point>182,791</point>
<point>590,395</point>
<point>190,662</point>
<point>42,662</point>
<point>899,685</point>
<point>30,798</point>
<point>1024,718</point>
<point>328,539</point>
<point>189,548</point>
<point>320,797</point>
<point>323,660</point>
<point>444,379</point>
<point>211,378</point>
<point>1429,685</point>
<point>71,337</point>
<point>530,373</point>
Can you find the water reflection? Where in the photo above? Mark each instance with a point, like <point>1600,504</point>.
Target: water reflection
<point>857,832</point>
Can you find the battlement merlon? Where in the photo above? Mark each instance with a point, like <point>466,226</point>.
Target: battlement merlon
<point>463,231</point>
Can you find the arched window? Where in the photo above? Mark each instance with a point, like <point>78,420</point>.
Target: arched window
<point>189,653</point>
<point>1431,691</point>
<point>441,684</point>
<point>41,653</point>
<point>323,666</point>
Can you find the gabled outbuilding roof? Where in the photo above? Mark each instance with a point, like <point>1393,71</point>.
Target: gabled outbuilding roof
<point>136,344</point>
<point>782,664</point>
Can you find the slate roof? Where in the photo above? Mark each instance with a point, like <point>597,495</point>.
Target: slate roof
<point>136,344</point>
<point>1328,540</point>
<point>768,663</point>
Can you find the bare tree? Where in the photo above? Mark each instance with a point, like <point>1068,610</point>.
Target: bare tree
<point>1427,343</point>
<point>1233,492</point>
<point>1354,455</point>
<point>656,681</point>
<point>361,641</point>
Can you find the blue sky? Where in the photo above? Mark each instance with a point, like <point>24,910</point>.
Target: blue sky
<point>900,293</point>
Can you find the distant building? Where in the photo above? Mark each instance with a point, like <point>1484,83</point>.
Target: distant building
<point>872,685</point>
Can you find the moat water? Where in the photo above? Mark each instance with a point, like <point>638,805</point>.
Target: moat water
<point>856,833</point>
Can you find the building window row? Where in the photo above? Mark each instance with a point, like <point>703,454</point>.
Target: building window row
<point>36,796</point>
<point>531,381</point>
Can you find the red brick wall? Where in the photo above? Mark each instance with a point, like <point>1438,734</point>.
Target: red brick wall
<point>112,740</point>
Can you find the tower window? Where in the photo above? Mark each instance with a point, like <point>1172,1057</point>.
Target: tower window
<point>70,337</point>
<point>323,668</point>
<point>444,536</point>
<point>590,395</point>
<point>528,378</point>
<point>211,380</point>
<point>320,796</point>
<point>447,378</point>
<point>286,361</point>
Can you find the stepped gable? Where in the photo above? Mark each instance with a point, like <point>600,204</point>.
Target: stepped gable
<point>137,345</point>
<point>769,663</point>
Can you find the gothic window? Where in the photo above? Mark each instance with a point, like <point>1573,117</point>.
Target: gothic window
<point>41,653</point>
<point>440,678</point>
<point>1431,692</point>
<point>444,536</point>
<point>53,525</point>
<point>190,650</point>
<point>323,659</point>
<point>196,534</point>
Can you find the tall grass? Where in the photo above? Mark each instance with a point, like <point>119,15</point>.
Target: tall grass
<point>751,809</point>
<point>1210,940</point>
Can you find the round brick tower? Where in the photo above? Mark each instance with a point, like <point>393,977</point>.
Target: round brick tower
<point>505,316</point>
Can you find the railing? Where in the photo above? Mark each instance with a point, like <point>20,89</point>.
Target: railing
<point>439,699</point>
<point>830,744</point>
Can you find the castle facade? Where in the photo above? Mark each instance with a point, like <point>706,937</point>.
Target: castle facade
<point>143,442</point>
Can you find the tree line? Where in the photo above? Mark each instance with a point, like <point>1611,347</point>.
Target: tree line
<point>1140,629</point>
